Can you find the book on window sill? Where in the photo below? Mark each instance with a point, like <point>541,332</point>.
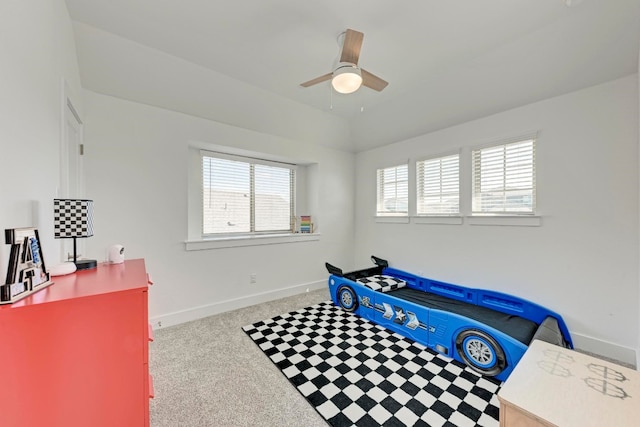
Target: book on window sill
<point>306,226</point>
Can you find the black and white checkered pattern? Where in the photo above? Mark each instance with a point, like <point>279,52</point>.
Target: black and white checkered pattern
<point>72,218</point>
<point>356,373</point>
<point>382,283</point>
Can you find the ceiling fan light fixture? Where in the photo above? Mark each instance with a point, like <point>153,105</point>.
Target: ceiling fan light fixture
<point>346,78</point>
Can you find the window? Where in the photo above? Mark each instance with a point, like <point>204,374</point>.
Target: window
<point>438,186</point>
<point>244,196</point>
<point>504,180</point>
<point>393,191</point>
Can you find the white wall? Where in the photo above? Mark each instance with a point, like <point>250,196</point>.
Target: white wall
<point>136,166</point>
<point>38,56</point>
<point>119,67</point>
<point>583,261</point>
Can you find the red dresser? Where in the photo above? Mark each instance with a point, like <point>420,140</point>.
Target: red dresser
<point>77,352</point>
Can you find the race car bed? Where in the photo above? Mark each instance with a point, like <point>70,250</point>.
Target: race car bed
<point>489,331</point>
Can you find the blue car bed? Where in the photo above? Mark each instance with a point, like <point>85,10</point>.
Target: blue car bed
<point>489,331</point>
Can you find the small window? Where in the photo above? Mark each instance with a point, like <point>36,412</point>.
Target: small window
<point>504,179</point>
<point>438,186</point>
<point>244,196</point>
<point>393,191</point>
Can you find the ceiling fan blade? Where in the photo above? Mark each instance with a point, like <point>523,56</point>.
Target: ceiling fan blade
<point>372,81</point>
<point>317,80</point>
<point>351,46</point>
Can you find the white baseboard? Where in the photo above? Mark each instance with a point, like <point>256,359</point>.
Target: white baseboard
<point>199,312</point>
<point>605,348</point>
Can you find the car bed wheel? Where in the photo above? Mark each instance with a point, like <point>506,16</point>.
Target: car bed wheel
<point>347,298</point>
<point>481,352</point>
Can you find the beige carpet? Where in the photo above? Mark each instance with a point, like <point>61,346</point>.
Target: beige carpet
<point>209,373</point>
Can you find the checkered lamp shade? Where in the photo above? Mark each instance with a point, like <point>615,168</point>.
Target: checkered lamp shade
<point>72,218</point>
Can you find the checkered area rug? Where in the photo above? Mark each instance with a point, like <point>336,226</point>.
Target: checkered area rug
<point>356,373</point>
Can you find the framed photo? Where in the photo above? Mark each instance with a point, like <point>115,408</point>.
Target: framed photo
<point>27,271</point>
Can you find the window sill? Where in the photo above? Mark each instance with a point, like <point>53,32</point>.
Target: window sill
<point>449,220</point>
<point>499,220</point>
<point>240,241</point>
<point>393,219</point>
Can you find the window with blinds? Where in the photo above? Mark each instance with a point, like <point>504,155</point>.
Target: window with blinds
<point>438,186</point>
<point>393,191</point>
<point>243,195</point>
<point>504,178</point>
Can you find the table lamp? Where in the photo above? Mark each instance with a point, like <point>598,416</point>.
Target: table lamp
<point>73,219</point>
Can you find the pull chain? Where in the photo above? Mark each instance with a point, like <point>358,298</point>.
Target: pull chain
<point>330,97</point>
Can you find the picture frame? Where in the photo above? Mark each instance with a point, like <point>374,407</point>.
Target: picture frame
<point>26,271</point>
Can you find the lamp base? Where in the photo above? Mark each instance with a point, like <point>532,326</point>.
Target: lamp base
<point>84,264</point>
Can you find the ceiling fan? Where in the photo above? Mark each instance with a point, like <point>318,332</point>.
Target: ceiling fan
<point>348,76</point>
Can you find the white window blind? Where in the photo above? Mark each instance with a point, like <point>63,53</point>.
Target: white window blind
<point>438,186</point>
<point>393,190</point>
<point>246,196</point>
<point>504,179</point>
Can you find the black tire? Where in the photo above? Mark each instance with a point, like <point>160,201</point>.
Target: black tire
<point>347,298</point>
<point>481,352</point>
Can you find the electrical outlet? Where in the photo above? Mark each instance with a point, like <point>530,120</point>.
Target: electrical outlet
<point>253,278</point>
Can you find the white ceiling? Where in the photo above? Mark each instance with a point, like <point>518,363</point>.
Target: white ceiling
<point>446,61</point>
